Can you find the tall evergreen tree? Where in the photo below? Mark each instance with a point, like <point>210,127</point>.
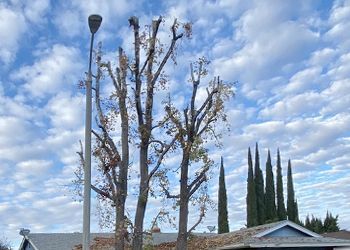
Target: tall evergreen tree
<point>259,188</point>
<point>297,212</point>
<point>281,209</point>
<point>270,204</point>
<point>291,209</point>
<point>252,213</point>
<point>330,223</point>
<point>307,223</point>
<point>223,226</point>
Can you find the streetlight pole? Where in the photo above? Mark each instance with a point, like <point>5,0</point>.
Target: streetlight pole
<point>94,24</point>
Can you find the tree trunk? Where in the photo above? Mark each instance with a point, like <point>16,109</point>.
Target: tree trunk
<point>121,226</point>
<point>181,243</point>
<point>120,229</point>
<point>142,200</point>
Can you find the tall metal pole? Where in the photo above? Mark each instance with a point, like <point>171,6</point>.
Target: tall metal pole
<point>94,24</point>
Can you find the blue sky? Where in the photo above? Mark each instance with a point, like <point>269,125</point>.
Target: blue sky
<point>291,61</point>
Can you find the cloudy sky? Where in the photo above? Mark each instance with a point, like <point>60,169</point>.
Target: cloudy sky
<point>290,59</point>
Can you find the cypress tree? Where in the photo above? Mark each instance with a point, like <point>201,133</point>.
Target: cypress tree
<point>270,204</point>
<point>222,203</point>
<point>297,212</point>
<point>281,209</point>
<point>259,188</point>
<point>330,223</point>
<point>307,222</point>
<point>291,209</point>
<point>252,215</point>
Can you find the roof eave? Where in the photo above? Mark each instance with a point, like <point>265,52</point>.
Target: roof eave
<point>317,244</point>
<point>26,238</point>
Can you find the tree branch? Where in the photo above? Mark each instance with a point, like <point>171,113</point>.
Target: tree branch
<point>201,216</point>
<point>168,195</point>
<point>100,192</point>
<point>196,183</point>
<point>161,157</point>
<point>169,52</point>
<point>134,22</point>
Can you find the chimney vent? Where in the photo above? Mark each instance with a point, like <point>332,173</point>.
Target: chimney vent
<point>24,232</point>
<point>155,229</point>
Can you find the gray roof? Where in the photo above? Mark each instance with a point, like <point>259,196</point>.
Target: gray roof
<point>259,237</point>
<point>159,238</point>
<point>342,234</point>
<point>253,237</point>
<point>288,242</point>
<point>67,241</point>
<point>60,241</point>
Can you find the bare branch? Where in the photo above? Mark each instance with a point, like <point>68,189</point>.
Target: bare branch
<point>170,196</point>
<point>100,192</point>
<point>161,157</point>
<point>111,75</point>
<point>169,52</point>
<point>162,144</point>
<point>196,183</point>
<point>155,26</point>
<point>201,216</point>
<point>134,22</point>
<point>209,122</point>
<point>82,160</point>
<point>207,103</point>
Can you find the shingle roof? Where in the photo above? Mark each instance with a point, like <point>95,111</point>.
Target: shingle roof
<point>342,234</point>
<point>288,242</point>
<point>244,238</point>
<point>68,241</point>
<point>60,241</point>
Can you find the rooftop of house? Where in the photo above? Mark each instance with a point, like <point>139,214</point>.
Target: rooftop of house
<point>342,234</point>
<point>281,234</point>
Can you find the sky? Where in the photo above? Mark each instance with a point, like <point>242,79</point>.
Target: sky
<point>290,61</point>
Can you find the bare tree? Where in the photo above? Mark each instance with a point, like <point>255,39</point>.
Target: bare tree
<point>194,126</point>
<point>113,161</point>
<point>147,75</point>
<point>132,100</point>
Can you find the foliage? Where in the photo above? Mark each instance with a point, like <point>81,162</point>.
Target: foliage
<point>223,226</point>
<point>281,210</point>
<point>193,127</point>
<point>252,213</point>
<point>259,188</point>
<point>328,225</point>
<point>270,204</point>
<point>292,208</point>
<point>5,245</point>
<point>125,118</point>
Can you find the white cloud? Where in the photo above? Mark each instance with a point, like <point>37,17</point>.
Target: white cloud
<point>12,27</point>
<point>65,111</point>
<point>292,64</point>
<point>36,10</point>
<point>56,70</point>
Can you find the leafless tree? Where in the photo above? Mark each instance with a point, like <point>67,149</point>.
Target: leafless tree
<point>194,126</point>
<point>147,75</point>
<point>135,80</point>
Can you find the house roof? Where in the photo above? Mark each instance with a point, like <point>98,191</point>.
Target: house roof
<point>259,236</point>
<point>288,242</point>
<point>68,241</point>
<point>342,234</point>
<point>57,241</point>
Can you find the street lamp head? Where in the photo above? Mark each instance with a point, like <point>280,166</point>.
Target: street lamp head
<point>94,23</point>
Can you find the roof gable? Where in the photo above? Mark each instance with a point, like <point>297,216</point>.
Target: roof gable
<point>287,229</point>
